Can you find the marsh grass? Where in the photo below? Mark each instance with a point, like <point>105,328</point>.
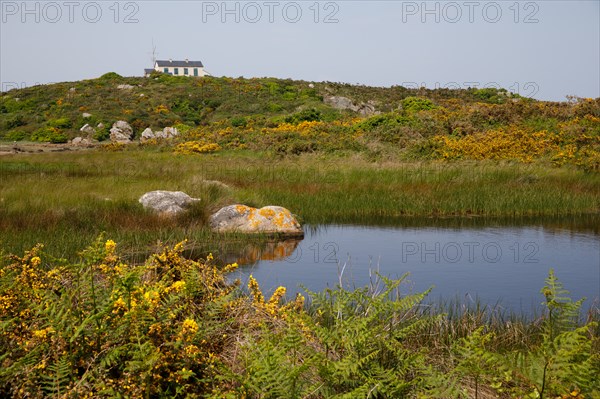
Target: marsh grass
<point>66,199</point>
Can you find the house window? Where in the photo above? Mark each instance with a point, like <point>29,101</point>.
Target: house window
<point>185,71</point>
<point>195,71</point>
<point>176,71</point>
<point>166,70</point>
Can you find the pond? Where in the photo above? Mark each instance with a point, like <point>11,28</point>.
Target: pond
<point>495,262</point>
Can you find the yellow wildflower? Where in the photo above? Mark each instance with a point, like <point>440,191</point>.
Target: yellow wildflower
<point>189,327</point>
<point>110,246</point>
<point>119,306</point>
<point>255,291</point>
<point>177,286</point>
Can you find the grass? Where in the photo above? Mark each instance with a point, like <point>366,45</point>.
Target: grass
<point>65,199</point>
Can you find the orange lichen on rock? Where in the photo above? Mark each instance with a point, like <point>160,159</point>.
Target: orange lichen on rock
<point>245,219</point>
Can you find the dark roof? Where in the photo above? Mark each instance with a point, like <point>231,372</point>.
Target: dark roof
<point>179,64</point>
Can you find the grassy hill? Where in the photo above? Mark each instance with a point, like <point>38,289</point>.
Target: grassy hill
<point>289,117</point>
<point>164,100</point>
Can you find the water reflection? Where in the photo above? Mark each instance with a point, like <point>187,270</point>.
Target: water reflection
<point>586,224</point>
<point>250,253</point>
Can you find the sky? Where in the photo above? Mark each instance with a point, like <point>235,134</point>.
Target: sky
<point>541,49</point>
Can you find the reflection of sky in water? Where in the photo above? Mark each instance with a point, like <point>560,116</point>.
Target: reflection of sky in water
<point>507,264</point>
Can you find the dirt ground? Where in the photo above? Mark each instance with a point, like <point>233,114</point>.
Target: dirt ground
<point>21,147</point>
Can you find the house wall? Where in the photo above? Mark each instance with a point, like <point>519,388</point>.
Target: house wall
<point>190,71</point>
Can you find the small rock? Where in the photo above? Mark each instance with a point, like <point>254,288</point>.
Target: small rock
<point>87,129</point>
<point>147,134</point>
<point>76,141</point>
<point>170,132</point>
<point>125,87</point>
<point>86,115</point>
<point>312,86</point>
<point>167,203</point>
<point>100,126</point>
<point>245,219</point>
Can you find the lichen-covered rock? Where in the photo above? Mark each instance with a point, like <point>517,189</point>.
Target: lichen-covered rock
<point>166,133</point>
<point>245,219</point>
<point>121,132</point>
<point>342,103</point>
<point>167,202</point>
<point>147,134</point>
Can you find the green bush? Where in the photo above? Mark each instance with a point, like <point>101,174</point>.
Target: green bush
<point>49,135</point>
<point>415,104</point>
<point>238,121</point>
<point>490,95</point>
<point>15,135</point>
<point>102,134</point>
<point>307,115</point>
<point>60,123</point>
<point>14,121</point>
<point>111,76</point>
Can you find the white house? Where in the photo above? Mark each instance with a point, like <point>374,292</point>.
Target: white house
<point>178,68</point>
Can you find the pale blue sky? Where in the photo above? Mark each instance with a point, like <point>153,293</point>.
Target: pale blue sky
<point>548,49</point>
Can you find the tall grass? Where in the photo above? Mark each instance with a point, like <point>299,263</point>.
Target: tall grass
<point>66,199</point>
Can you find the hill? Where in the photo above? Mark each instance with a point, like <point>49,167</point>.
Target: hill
<point>292,117</point>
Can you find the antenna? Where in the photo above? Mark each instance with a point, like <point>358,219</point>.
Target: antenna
<point>154,53</point>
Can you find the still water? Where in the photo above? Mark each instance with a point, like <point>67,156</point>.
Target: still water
<point>494,263</point>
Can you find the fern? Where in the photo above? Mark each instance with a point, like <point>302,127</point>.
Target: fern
<point>56,379</point>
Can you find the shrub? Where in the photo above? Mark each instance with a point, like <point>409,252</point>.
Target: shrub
<point>15,135</point>
<point>490,95</point>
<point>49,135</point>
<point>415,104</point>
<point>110,76</point>
<point>102,134</point>
<point>14,121</point>
<point>113,146</point>
<point>60,123</point>
<point>75,330</point>
<point>238,121</point>
<point>196,147</point>
<point>307,115</point>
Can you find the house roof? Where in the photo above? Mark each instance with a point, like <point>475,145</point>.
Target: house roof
<point>179,64</point>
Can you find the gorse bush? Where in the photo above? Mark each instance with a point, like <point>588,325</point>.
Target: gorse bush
<point>103,328</point>
<point>174,327</point>
<point>196,147</point>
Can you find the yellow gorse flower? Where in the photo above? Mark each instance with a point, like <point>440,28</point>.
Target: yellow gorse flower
<point>110,246</point>
<point>258,298</point>
<point>177,286</point>
<point>189,327</point>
